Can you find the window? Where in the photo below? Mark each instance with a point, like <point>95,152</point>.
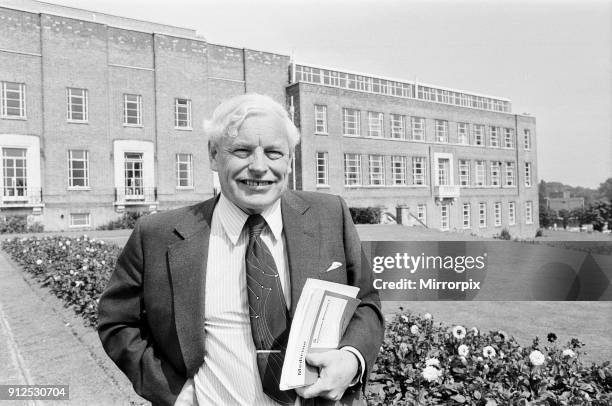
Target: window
<point>422,213</point>
<point>480,173</point>
<point>77,105</point>
<point>418,170</point>
<point>184,171</point>
<point>80,220</point>
<point>444,217</point>
<point>398,170</point>
<point>510,174</point>
<point>418,129</point>
<point>351,125</point>
<point>78,168</point>
<point>462,133</point>
<point>528,212</point>
<point>508,137</point>
<point>13,100</point>
<point>441,131</point>
<point>482,214</point>
<point>14,171</point>
<point>464,172</point>
<point>375,124</point>
<point>352,169</point>
<point>320,119</point>
<point>467,221</point>
<point>528,174</point>
<point>322,169</point>
<point>498,214</point>
<point>397,126</point>
<point>182,113</point>
<point>527,140</point>
<point>494,137</point>
<point>377,170</point>
<point>133,164</point>
<point>132,109</point>
<point>511,214</point>
<point>495,175</point>
<point>478,132</point>
<point>443,171</point>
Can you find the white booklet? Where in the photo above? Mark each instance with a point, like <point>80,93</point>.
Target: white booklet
<point>321,317</point>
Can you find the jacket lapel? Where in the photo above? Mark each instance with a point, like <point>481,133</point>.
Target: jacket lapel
<point>300,226</point>
<point>187,260</point>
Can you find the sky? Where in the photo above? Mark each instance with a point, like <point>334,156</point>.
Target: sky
<point>553,59</point>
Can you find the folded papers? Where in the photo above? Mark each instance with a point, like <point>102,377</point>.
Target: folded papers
<point>321,317</point>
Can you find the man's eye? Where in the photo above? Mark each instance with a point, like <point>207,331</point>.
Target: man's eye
<point>241,153</point>
<point>274,154</point>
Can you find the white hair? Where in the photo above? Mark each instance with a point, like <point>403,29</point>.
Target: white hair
<point>229,116</point>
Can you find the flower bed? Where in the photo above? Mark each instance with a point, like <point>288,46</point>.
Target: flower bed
<point>424,363</point>
<point>75,269</point>
<point>421,362</point>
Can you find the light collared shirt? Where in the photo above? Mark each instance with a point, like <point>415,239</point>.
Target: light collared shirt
<point>229,374</point>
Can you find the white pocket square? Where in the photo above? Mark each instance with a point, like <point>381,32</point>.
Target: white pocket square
<point>333,266</point>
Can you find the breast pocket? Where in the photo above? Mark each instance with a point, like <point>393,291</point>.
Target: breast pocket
<point>337,275</point>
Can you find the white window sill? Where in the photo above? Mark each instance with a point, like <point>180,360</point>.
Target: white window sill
<point>320,133</point>
<point>14,118</point>
<point>323,186</point>
<point>72,188</point>
<point>185,188</point>
<point>133,125</point>
<point>77,121</point>
<point>183,128</point>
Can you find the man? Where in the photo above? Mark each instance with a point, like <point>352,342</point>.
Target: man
<point>179,316</point>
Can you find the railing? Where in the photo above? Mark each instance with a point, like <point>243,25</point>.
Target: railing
<point>20,196</point>
<point>446,191</point>
<point>135,195</point>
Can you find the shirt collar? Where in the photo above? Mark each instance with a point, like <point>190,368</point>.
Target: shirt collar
<point>233,218</point>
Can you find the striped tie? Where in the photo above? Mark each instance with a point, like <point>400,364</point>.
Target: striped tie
<point>268,312</point>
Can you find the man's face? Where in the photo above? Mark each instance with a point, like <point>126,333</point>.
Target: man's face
<point>253,167</point>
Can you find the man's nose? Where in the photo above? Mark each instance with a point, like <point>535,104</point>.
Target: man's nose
<point>258,161</point>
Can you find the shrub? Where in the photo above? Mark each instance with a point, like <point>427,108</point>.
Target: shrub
<point>365,215</point>
<point>127,221</point>
<point>75,269</point>
<point>539,233</point>
<point>13,224</point>
<point>424,363</point>
<point>503,235</point>
<point>36,228</point>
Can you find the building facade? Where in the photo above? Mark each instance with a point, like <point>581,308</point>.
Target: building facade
<point>101,115</point>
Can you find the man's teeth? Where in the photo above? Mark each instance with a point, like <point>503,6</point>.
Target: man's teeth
<point>257,182</point>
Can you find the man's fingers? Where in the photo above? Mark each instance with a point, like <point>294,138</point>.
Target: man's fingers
<point>310,391</point>
<point>317,359</point>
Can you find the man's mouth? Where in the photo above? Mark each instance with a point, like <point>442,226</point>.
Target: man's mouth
<point>255,183</point>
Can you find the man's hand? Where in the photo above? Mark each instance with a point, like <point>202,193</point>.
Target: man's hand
<point>337,368</point>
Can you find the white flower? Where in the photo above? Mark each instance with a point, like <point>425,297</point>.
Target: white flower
<point>405,319</point>
<point>488,351</point>
<point>463,350</point>
<point>61,243</point>
<point>427,316</point>
<point>103,262</point>
<point>568,352</point>
<point>479,359</point>
<point>68,242</point>
<point>84,267</point>
<point>474,330</point>
<point>431,373</point>
<point>403,347</point>
<point>26,250</point>
<point>459,332</point>
<point>501,355</point>
<point>414,329</point>
<point>536,358</point>
<point>39,261</point>
<point>101,242</point>
<point>432,362</point>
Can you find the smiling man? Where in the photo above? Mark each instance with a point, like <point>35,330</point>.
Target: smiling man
<point>199,307</point>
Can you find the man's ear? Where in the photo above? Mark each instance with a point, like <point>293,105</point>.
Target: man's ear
<point>213,154</point>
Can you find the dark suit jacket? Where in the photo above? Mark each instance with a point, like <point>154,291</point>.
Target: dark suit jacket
<point>151,315</point>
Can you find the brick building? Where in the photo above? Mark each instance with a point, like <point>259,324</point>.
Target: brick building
<point>102,114</point>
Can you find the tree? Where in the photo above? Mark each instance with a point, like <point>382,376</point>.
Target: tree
<point>547,216</point>
<point>605,190</point>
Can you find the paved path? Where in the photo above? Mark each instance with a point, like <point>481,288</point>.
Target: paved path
<point>43,343</point>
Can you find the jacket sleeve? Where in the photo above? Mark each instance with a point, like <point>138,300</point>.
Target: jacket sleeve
<point>366,328</point>
<point>125,334</point>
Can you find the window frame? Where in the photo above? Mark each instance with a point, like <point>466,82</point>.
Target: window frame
<point>376,124</point>
<point>528,182</point>
<point>188,170</point>
<point>126,110</point>
<point>511,213</point>
<point>397,129</point>
<point>320,116</point>
<point>324,156</point>
<point>419,178</point>
<point>71,218</point>
<point>497,214</point>
<point>85,104</point>
<point>467,216</point>
<point>510,174</point>
<point>463,133</point>
<point>4,107</point>
<point>355,122</point>
<point>353,159</point>
<point>417,128</point>
<point>441,129</point>
<point>482,214</point>
<point>177,112</point>
<point>464,172</point>
<point>399,170</point>
<point>85,169</point>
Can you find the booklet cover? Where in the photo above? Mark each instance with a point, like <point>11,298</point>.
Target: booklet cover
<point>321,317</point>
